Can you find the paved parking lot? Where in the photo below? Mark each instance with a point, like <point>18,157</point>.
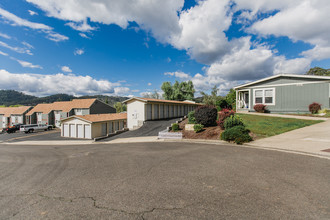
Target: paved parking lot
<point>160,181</point>
<point>52,135</point>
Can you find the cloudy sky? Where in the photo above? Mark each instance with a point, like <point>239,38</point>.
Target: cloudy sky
<point>129,47</point>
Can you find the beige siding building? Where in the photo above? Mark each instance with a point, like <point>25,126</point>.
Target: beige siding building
<point>140,110</point>
<point>13,115</point>
<point>93,126</point>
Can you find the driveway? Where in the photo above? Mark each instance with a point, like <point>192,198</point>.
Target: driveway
<point>150,128</point>
<point>314,139</point>
<point>160,181</point>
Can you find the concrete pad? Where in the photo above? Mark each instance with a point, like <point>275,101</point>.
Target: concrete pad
<point>312,139</point>
<point>133,140</point>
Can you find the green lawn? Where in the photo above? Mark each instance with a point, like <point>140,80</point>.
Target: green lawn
<point>265,126</point>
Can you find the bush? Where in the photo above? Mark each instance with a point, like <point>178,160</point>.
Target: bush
<point>206,115</point>
<point>225,113</point>
<point>175,127</point>
<point>191,118</point>
<point>198,127</point>
<point>238,134</point>
<point>233,121</point>
<point>261,108</point>
<point>222,104</point>
<point>314,107</point>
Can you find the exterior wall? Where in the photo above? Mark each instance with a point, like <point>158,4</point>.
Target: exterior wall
<point>99,107</point>
<point>296,97</point>
<point>81,111</point>
<point>136,114</point>
<point>3,121</point>
<point>16,119</point>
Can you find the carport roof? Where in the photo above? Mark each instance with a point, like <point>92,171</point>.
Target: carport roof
<point>100,117</point>
<point>65,106</point>
<point>187,102</point>
<point>7,111</point>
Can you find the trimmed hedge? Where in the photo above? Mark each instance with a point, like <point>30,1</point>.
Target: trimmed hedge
<point>238,134</point>
<point>175,127</point>
<point>206,115</point>
<point>261,108</point>
<point>191,118</point>
<point>232,121</point>
<point>198,128</point>
<point>314,108</point>
<point>225,113</point>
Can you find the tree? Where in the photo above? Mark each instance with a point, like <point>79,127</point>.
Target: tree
<point>179,91</point>
<point>154,95</point>
<point>318,71</point>
<point>211,99</point>
<point>231,98</point>
<point>106,100</point>
<point>120,107</point>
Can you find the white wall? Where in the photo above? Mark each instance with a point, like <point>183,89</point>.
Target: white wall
<point>135,114</point>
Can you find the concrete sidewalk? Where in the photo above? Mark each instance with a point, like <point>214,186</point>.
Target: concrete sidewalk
<point>286,116</point>
<point>313,140</point>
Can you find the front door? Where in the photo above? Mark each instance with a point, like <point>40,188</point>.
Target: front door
<point>243,99</point>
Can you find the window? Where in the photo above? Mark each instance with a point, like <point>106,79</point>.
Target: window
<point>264,96</point>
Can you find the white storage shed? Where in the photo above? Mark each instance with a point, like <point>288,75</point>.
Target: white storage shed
<point>140,110</point>
<point>93,126</point>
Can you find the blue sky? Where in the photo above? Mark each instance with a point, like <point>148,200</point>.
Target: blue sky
<point>130,47</point>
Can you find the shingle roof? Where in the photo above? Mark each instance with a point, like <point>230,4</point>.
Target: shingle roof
<point>7,111</point>
<point>102,117</point>
<point>163,101</point>
<point>62,106</point>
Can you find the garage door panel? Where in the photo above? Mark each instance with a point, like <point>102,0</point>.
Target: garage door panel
<point>66,130</point>
<point>88,133</point>
<point>73,131</point>
<point>80,131</point>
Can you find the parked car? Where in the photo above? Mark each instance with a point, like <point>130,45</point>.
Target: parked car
<point>13,129</point>
<point>35,127</point>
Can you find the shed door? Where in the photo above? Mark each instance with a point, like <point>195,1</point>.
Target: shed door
<point>66,130</point>
<point>88,132</point>
<point>73,131</point>
<point>80,131</point>
<point>104,129</point>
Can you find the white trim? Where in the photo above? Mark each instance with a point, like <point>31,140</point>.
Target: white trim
<point>284,75</point>
<point>329,90</point>
<point>288,84</point>
<point>238,96</point>
<point>263,96</point>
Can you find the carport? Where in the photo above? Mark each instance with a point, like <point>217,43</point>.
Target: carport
<point>92,126</point>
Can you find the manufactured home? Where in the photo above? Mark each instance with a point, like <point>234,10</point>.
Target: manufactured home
<point>140,110</point>
<point>284,93</point>
<point>53,113</point>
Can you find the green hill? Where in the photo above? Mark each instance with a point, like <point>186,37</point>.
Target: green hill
<point>12,97</point>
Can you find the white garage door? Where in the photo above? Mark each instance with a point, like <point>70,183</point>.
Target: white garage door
<point>73,131</point>
<point>80,131</point>
<point>66,130</point>
<point>88,133</point>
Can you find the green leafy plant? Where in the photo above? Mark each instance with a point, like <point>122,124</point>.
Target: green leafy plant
<point>238,134</point>
<point>175,127</point>
<point>191,118</point>
<point>232,121</point>
<point>314,107</point>
<point>225,113</point>
<point>206,115</point>
<point>198,128</point>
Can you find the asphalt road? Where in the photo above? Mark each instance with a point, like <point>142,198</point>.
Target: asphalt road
<point>161,181</point>
<point>150,128</point>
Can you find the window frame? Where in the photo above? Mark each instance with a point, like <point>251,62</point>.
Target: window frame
<point>263,96</point>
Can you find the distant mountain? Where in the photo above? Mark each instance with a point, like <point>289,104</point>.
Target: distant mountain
<point>12,97</point>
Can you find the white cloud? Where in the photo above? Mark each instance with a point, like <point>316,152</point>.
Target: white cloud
<point>16,49</point>
<point>149,84</point>
<point>178,74</point>
<point>122,91</point>
<point>78,52</point>
<point>84,35</point>
<point>32,12</point>
<point>5,36</point>
<point>66,69</point>
<point>3,53</point>
<point>27,45</point>
<point>82,26</point>
<point>42,85</point>
<point>17,21</point>
<point>28,64</point>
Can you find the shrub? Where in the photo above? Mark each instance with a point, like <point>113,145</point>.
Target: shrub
<point>225,113</point>
<point>233,121</point>
<point>222,104</point>
<point>175,127</point>
<point>191,118</point>
<point>206,115</point>
<point>238,134</point>
<point>198,127</point>
<point>314,107</point>
<point>261,108</point>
